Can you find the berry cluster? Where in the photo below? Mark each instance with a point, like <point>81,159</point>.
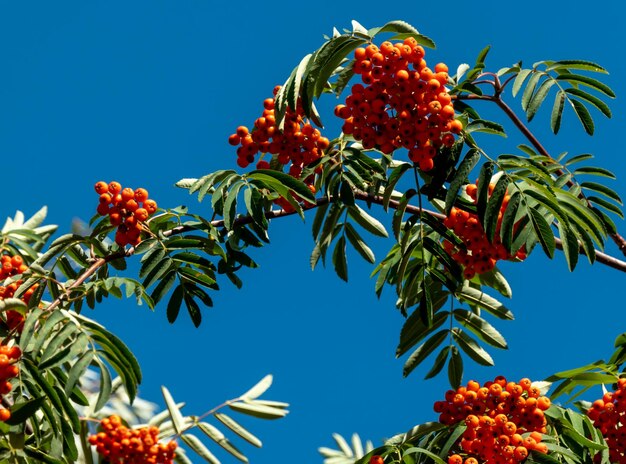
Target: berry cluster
<point>118,444</point>
<point>497,415</point>
<point>8,370</point>
<point>127,209</point>
<point>402,103</point>
<point>299,143</point>
<point>479,255</point>
<point>609,416</point>
<point>11,266</point>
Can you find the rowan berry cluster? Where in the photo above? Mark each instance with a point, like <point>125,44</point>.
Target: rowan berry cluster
<point>117,444</point>
<point>299,143</point>
<point>401,103</point>
<point>609,416</point>
<point>479,255</point>
<point>127,209</point>
<point>12,265</point>
<point>497,414</point>
<point>8,370</point>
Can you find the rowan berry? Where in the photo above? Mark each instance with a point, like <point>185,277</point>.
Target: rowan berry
<point>494,426</point>
<point>119,444</point>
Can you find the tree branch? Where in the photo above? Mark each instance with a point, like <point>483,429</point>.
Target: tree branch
<point>616,237</point>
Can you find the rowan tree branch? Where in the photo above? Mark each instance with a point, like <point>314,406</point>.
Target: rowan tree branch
<point>615,236</point>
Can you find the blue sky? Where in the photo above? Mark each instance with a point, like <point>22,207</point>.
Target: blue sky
<point>147,92</point>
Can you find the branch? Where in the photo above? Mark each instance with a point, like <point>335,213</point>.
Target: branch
<point>616,237</point>
<point>91,270</point>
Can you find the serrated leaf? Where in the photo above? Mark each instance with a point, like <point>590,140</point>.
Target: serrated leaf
<point>422,352</point>
<point>455,368</point>
<point>483,329</point>
<point>519,80</point>
<point>595,101</point>
<point>530,90</point>
<point>484,179</point>
<point>438,364</point>
<point>582,65</point>
<point>543,231</point>
<point>471,159</point>
<point>106,385</point>
<point>484,301</point>
<point>583,115</point>
<point>557,111</point>
<point>366,221</point>
<point>538,97</point>
<point>340,262</point>
<point>570,245</point>
<point>493,207</point>
<point>586,80</point>
<point>603,189</point>
<point>471,348</point>
<point>359,245</point>
<point>488,127</point>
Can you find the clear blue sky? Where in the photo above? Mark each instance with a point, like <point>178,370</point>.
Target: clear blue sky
<point>147,92</point>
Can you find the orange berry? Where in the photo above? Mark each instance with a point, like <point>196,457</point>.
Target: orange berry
<point>115,188</point>
<point>101,187</point>
<point>140,195</point>
<point>150,206</point>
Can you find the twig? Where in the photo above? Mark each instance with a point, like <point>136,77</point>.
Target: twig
<point>616,237</point>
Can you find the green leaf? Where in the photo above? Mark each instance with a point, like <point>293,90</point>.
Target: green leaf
<point>193,309</point>
<point>196,276</point>
<point>440,361</point>
<point>586,80</point>
<point>570,246</point>
<point>483,329</point>
<point>359,245</point>
<point>543,231</point>
<point>393,180</point>
<point>455,368</point>
<point>471,159</point>
<point>595,171</point>
<point>236,428</point>
<point>21,412</point>
<point>366,221</point>
<point>422,352</point>
<point>488,127</point>
<point>484,301</point>
<point>230,204</point>
<point>583,115</point>
<point>414,329</point>
<point>106,385</point>
<point>494,206</point>
<point>607,205</point>
<point>595,101</point>
<point>519,80</point>
<point>484,179</point>
<point>529,90</point>
<point>538,98</point>
<point>472,348</point>
<point>339,259</point>
<point>173,306</point>
<point>582,65</point>
<point>508,221</point>
<point>603,189</point>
